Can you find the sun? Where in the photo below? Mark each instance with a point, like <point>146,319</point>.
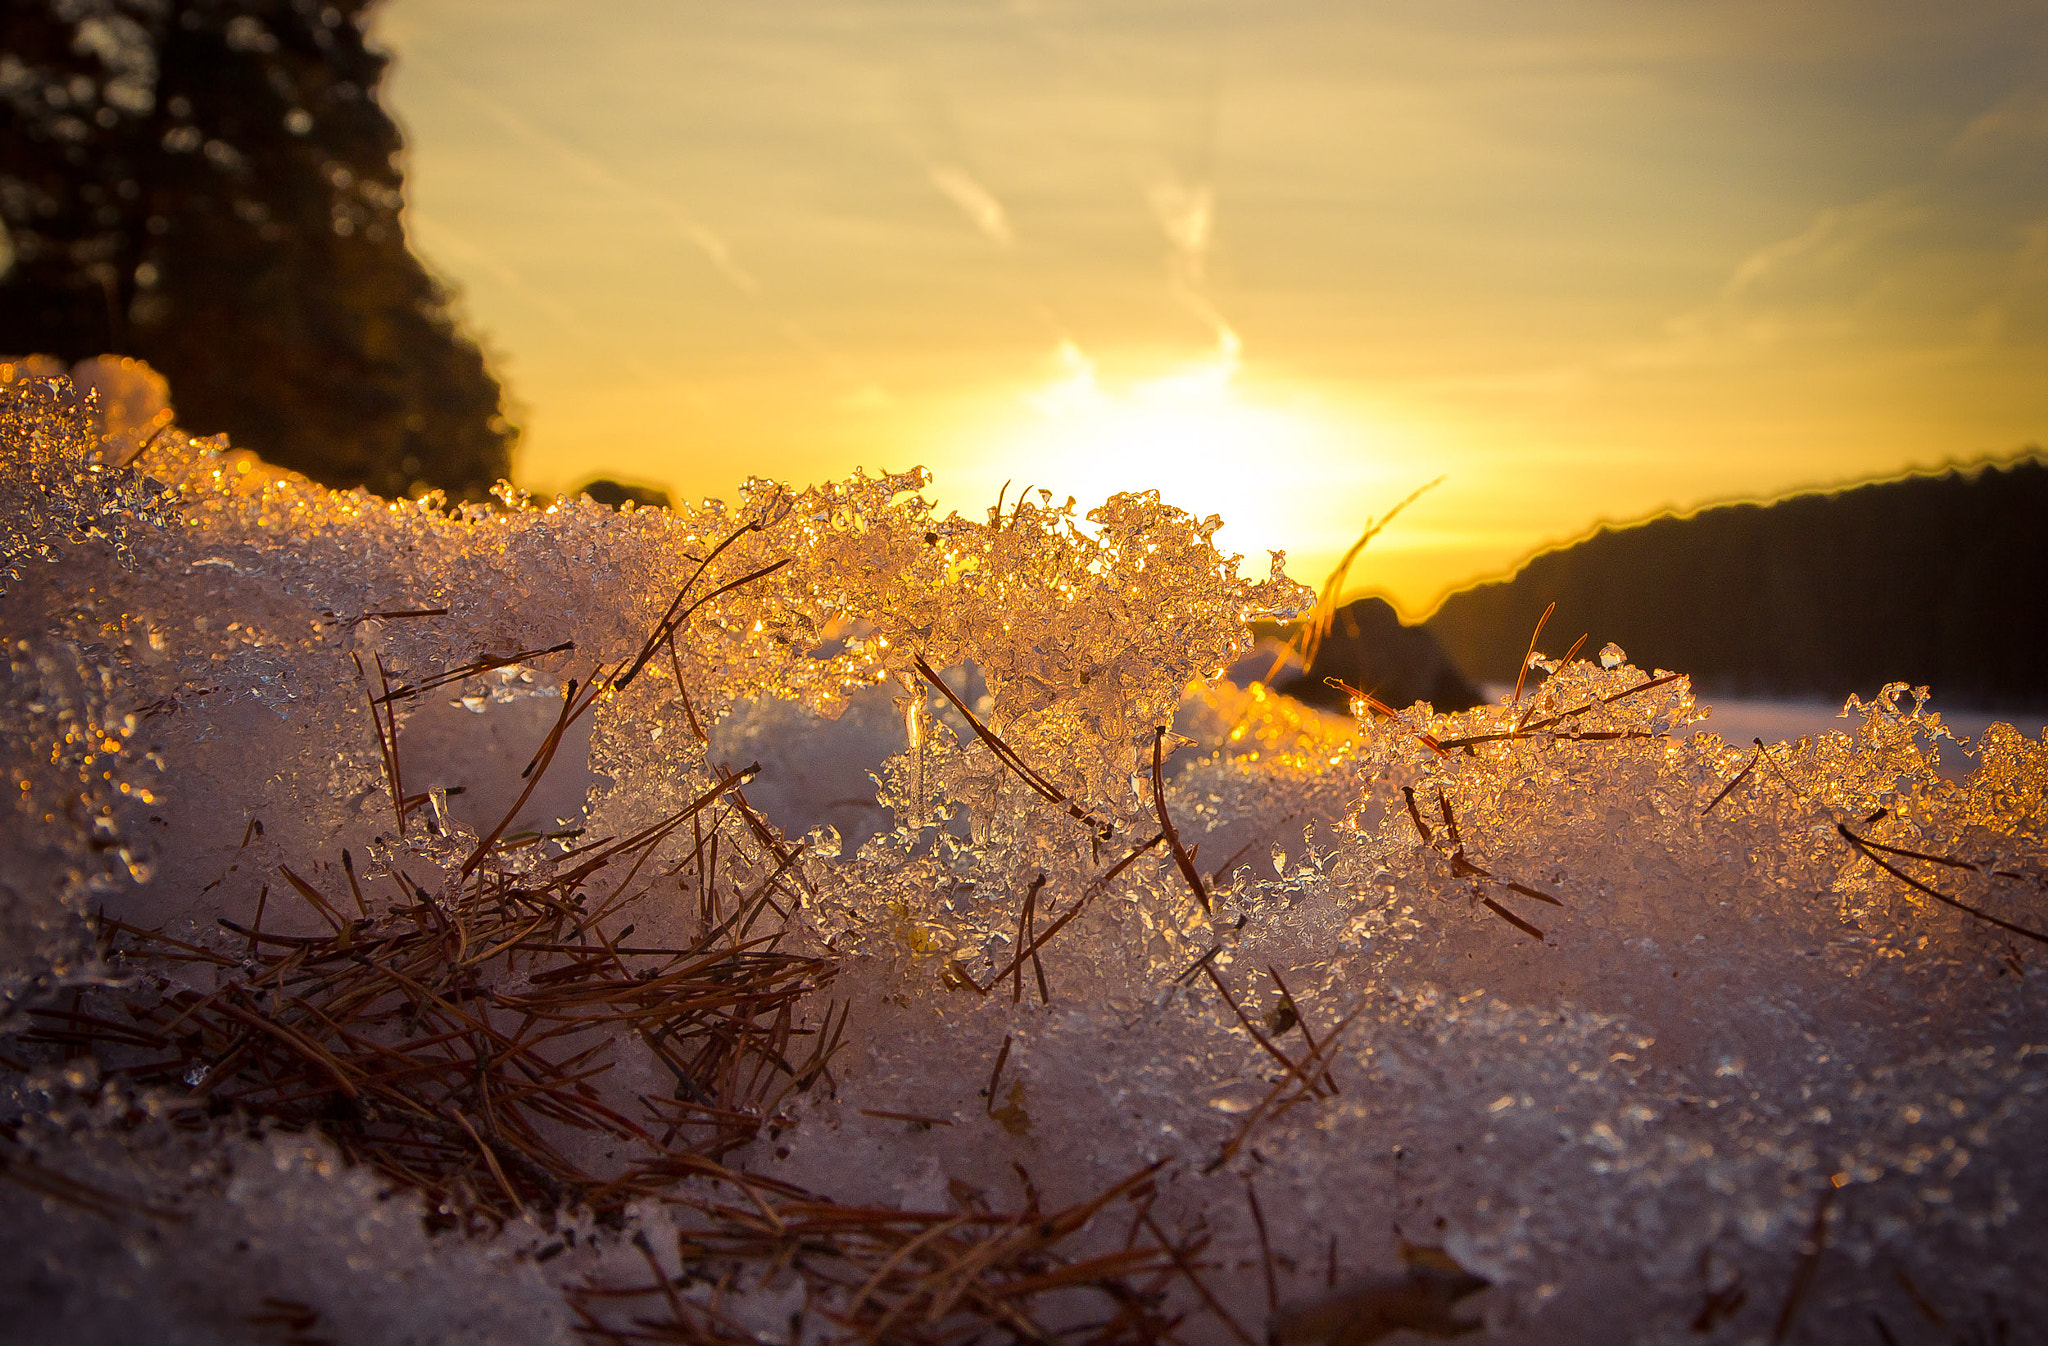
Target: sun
<point>1280,471</point>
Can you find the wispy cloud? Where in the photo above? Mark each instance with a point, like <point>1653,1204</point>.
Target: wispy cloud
<point>706,240</point>
<point>1187,215</point>
<point>975,201</point>
<point>1719,247</point>
<point>436,238</point>
<point>2021,117</point>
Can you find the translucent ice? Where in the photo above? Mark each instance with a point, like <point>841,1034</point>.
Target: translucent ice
<point>760,919</point>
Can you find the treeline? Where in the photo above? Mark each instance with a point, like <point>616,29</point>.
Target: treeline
<point>214,186</point>
<point>1937,580</point>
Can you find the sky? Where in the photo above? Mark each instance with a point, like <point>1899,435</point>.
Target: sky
<point>1285,261</point>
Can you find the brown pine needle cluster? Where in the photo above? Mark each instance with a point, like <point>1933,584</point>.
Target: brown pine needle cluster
<point>458,1042</point>
<point>882,1274</point>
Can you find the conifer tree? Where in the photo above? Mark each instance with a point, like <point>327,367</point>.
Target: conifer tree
<point>212,185</point>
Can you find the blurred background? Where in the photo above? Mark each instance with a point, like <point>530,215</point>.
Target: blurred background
<point>1588,261</point>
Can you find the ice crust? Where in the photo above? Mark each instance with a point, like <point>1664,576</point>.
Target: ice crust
<point>1746,1085</point>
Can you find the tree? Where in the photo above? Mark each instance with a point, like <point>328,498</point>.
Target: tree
<point>212,185</point>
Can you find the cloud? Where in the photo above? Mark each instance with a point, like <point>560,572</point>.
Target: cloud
<point>436,237</point>
<point>699,235</point>
<point>2020,119</point>
<point>975,201</point>
<point>1187,215</point>
<point>1837,235</point>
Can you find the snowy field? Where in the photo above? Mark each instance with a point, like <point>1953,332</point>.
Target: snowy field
<point>481,925</point>
<point>1742,721</point>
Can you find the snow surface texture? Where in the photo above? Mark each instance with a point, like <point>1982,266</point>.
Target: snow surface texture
<point>1647,1030</point>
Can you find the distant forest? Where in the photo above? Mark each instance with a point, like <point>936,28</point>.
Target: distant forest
<point>214,187</point>
<point>1936,580</point>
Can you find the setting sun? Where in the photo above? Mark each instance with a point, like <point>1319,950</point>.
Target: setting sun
<point>1585,264</point>
<point>845,672</point>
<point>1187,430</point>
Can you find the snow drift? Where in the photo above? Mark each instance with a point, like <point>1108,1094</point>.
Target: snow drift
<point>806,918</point>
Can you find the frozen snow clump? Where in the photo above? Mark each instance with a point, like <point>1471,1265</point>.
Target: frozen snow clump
<point>807,918</point>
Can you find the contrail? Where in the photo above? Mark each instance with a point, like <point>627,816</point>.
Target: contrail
<point>700,235</point>
<point>440,238</point>
<point>706,240</point>
<point>975,201</point>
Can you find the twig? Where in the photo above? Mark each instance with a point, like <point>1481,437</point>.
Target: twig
<point>1166,827</point>
<point>1808,1266</point>
<point>1522,673</point>
<point>1870,851</point>
<point>995,1076</point>
<point>1088,894</point>
<point>1009,757</point>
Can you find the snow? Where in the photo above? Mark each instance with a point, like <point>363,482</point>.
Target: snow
<point>1586,995</point>
<point>1740,720</point>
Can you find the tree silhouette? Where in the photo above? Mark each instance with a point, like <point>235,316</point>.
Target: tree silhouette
<point>211,185</point>
<point>1938,580</point>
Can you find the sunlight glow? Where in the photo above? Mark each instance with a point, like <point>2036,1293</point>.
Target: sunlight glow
<point>1191,433</point>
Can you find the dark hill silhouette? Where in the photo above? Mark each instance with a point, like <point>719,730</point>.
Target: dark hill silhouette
<point>1937,580</point>
<point>609,491</point>
<point>1368,648</point>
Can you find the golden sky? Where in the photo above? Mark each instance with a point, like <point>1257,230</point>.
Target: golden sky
<point>1284,261</point>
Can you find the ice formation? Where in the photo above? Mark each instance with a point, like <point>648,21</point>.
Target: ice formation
<point>810,919</point>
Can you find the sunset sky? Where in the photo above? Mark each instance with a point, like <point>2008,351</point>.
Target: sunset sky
<point>1285,262</point>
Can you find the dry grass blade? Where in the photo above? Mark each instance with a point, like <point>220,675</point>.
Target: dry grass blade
<point>1808,1266</point>
<point>544,756</point>
<point>914,1118</point>
<point>1096,886</point>
<point>395,614</point>
<point>1184,1263</point>
<point>1522,673</point>
<point>385,721</point>
<point>1542,728</point>
<point>1308,640</point>
<point>1316,1064</point>
<point>1251,1198</point>
<point>1009,757</point>
<point>995,1077</point>
<point>1025,913</point>
<point>673,619</point>
<point>1300,1022</point>
<point>1870,850</point>
<point>1382,709</point>
<point>1287,1063</point>
<point>456,1043</point>
<point>671,624</point>
<point>1415,815</point>
<point>19,1169</point>
<point>1512,919</point>
<point>1740,777</point>
<point>1529,711</point>
<point>1181,858</point>
<point>479,665</point>
<point>880,1274</point>
<point>1463,866</point>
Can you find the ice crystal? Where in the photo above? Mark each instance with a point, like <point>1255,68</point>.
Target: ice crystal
<point>810,917</point>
